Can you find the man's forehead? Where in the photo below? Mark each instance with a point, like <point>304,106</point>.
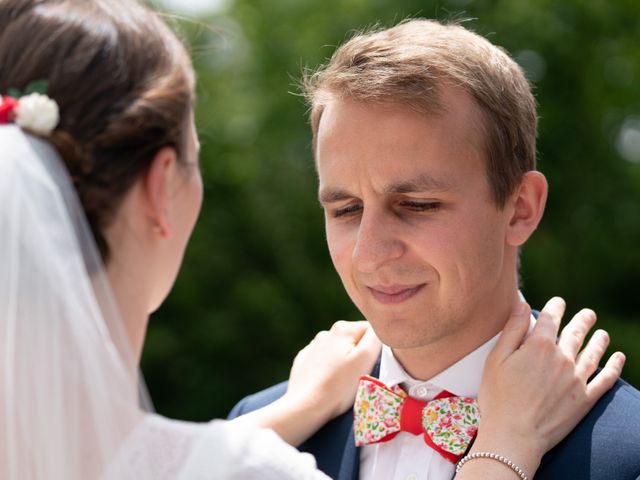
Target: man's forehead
<point>394,149</point>
<point>458,121</point>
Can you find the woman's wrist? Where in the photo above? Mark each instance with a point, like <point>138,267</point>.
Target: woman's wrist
<point>309,411</point>
<point>495,457</point>
<point>519,446</point>
<point>293,418</point>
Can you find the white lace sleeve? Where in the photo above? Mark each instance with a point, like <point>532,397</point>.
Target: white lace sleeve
<point>168,449</point>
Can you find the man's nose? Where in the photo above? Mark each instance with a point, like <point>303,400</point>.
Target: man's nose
<point>377,241</point>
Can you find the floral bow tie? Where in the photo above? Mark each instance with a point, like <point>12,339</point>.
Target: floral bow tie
<point>448,423</point>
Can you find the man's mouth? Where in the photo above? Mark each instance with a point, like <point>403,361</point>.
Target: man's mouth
<point>393,294</point>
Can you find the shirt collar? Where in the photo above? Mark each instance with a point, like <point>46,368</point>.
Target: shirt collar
<point>462,378</point>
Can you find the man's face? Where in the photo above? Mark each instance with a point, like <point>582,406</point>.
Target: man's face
<point>411,225</point>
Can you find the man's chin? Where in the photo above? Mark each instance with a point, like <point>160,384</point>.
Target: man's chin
<point>396,337</point>
<point>402,334</point>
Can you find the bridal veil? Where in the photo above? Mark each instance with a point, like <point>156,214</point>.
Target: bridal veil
<point>69,392</point>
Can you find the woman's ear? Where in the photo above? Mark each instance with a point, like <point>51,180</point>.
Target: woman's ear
<point>155,188</point>
<point>527,206</point>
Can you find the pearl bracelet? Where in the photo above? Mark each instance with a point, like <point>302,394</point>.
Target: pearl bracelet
<point>493,456</point>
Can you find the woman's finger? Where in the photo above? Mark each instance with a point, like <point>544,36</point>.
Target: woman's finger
<point>367,350</point>
<point>369,340</point>
<point>352,329</point>
<point>606,378</point>
<point>549,319</point>
<point>575,332</point>
<point>322,334</point>
<point>514,331</point>
<point>589,358</point>
<point>358,329</point>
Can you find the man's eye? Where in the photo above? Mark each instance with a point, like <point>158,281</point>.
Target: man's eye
<point>421,206</point>
<point>351,209</point>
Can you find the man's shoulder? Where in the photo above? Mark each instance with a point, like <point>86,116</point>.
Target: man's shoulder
<point>258,400</point>
<point>605,445</point>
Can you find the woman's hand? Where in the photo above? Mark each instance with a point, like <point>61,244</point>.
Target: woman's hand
<point>535,390</point>
<point>323,381</point>
<point>325,373</point>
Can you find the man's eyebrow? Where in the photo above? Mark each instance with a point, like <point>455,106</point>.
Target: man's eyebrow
<point>422,183</point>
<point>330,195</point>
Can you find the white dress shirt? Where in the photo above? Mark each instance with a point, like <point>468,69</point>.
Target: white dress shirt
<point>407,456</point>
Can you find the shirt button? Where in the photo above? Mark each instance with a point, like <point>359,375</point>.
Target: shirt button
<point>421,392</point>
<point>412,476</point>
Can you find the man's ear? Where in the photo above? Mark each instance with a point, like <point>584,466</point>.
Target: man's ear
<point>155,187</point>
<point>527,206</point>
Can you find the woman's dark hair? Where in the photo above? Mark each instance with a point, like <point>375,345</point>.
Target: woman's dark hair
<point>122,80</point>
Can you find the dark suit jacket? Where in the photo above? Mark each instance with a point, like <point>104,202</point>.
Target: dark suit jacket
<point>604,446</point>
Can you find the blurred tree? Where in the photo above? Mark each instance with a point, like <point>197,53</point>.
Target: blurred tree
<point>257,281</point>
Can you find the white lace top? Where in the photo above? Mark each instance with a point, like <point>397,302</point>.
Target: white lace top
<point>160,448</point>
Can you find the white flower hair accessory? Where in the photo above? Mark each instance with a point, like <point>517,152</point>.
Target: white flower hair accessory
<point>35,112</point>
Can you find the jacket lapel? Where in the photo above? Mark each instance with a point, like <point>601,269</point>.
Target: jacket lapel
<point>350,465</point>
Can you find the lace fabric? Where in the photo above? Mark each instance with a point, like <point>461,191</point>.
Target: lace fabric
<point>161,449</point>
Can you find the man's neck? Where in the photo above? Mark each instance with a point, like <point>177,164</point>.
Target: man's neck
<point>426,361</point>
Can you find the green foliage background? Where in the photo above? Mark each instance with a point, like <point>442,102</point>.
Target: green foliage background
<point>257,281</point>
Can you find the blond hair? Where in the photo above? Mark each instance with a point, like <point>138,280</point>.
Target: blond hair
<point>410,63</point>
